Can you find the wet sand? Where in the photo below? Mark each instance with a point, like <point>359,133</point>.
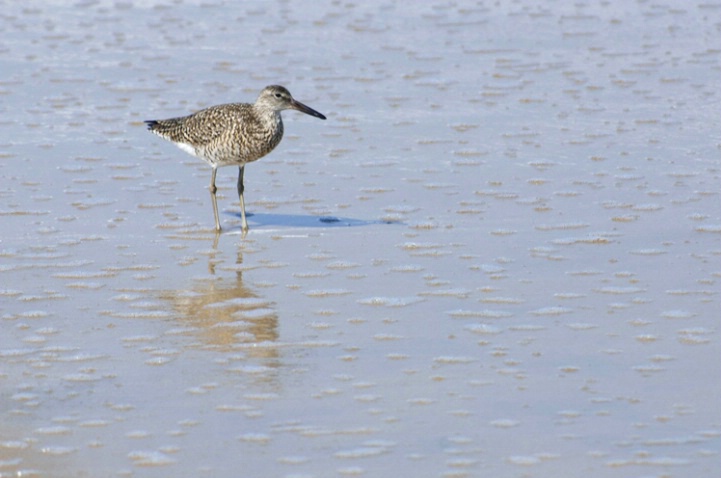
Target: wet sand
<point>500,256</point>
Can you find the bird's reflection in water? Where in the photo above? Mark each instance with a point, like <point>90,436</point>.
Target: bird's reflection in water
<point>226,314</point>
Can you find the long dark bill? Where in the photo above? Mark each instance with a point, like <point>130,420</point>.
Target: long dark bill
<point>297,105</point>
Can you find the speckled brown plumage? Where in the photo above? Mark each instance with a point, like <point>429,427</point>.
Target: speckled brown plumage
<point>233,134</point>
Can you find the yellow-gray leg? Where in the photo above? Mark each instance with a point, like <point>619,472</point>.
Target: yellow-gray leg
<point>241,188</point>
<point>213,189</point>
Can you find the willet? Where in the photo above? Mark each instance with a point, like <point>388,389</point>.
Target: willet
<point>233,134</point>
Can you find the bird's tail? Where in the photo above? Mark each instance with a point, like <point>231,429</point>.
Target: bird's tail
<point>171,129</point>
<point>152,124</point>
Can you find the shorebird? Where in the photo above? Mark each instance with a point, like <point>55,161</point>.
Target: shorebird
<point>233,134</point>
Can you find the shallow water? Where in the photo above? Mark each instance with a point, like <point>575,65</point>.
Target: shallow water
<point>500,256</point>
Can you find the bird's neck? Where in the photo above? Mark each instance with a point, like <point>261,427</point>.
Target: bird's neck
<point>270,117</point>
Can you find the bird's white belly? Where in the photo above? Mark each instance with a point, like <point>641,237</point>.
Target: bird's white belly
<point>187,148</point>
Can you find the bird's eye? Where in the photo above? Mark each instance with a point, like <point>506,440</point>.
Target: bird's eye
<point>278,95</point>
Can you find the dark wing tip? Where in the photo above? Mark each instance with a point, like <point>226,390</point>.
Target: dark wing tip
<point>151,124</point>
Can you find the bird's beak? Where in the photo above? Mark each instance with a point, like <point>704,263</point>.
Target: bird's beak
<point>297,105</point>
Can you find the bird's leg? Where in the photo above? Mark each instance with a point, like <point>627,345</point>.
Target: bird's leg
<point>241,188</point>
<point>213,189</point>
